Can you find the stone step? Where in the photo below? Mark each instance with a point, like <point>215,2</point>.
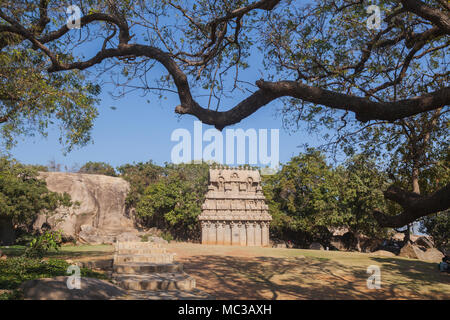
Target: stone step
<point>141,251</point>
<point>156,281</point>
<point>151,258</point>
<point>136,245</point>
<point>145,268</point>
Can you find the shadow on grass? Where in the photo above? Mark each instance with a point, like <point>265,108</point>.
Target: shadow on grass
<point>415,274</point>
<point>13,251</point>
<point>228,277</point>
<point>63,253</point>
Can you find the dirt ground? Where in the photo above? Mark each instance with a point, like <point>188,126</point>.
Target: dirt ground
<point>227,272</point>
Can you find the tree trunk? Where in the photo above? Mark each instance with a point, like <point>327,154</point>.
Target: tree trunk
<point>407,232</point>
<point>415,180</point>
<point>7,234</point>
<point>416,189</point>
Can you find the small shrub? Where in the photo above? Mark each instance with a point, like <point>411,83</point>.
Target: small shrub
<point>167,236</point>
<point>43,243</point>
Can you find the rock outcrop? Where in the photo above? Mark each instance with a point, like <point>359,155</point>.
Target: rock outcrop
<point>316,246</point>
<point>424,241</point>
<point>101,215</point>
<point>432,255</point>
<point>57,289</point>
<point>411,250</point>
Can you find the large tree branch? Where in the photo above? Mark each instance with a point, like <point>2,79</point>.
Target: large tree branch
<point>363,108</point>
<point>414,206</point>
<point>436,16</point>
<point>124,35</point>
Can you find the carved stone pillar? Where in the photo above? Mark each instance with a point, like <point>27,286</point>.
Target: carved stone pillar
<point>204,226</point>
<point>227,234</point>
<point>265,234</point>
<point>234,234</point>
<point>212,235</point>
<point>258,238</point>
<point>242,234</point>
<point>250,234</point>
<point>220,232</point>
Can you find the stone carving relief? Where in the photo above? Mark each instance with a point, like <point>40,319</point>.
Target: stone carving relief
<point>234,211</point>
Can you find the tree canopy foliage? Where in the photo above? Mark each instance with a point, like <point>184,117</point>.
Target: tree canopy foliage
<point>174,202</point>
<point>98,168</point>
<point>438,227</point>
<point>32,99</point>
<point>308,197</point>
<point>140,175</point>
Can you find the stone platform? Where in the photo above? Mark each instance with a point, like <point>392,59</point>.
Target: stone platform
<point>146,266</point>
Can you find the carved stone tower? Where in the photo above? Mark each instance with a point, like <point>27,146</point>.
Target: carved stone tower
<point>235,211</point>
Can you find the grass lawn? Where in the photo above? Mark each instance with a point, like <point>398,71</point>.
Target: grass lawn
<point>66,252</point>
<point>228,272</point>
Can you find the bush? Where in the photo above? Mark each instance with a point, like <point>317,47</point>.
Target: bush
<point>98,168</point>
<point>167,236</point>
<point>40,245</point>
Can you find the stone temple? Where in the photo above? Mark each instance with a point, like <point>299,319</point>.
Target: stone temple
<point>235,211</point>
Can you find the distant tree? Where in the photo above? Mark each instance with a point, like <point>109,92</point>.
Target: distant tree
<point>360,189</point>
<point>407,148</point>
<point>140,175</point>
<point>98,168</point>
<point>23,196</point>
<point>38,167</point>
<point>302,198</point>
<point>53,166</point>
<point>173,203</point>
<point>308,197</point>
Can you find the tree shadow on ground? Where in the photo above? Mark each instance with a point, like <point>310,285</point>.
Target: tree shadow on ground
<point>15,251</point>
<point>415,275</point>
<point>228,277</point>
<point>77,254</point>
